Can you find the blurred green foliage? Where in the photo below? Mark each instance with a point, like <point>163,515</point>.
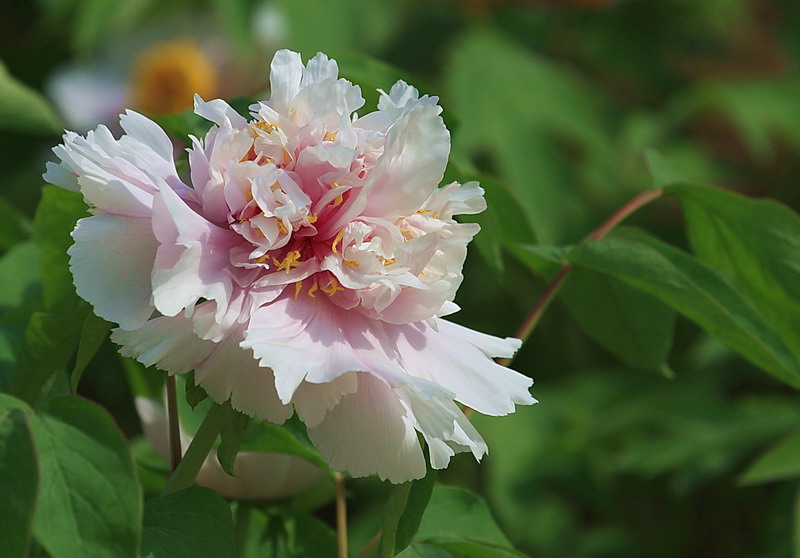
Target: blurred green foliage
<point>554,106</point>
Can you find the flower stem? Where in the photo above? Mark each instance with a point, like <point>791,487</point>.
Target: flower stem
<point>526,328</point>
<point>341,515</point>
<point>196,454</point>
<point>174,424</point>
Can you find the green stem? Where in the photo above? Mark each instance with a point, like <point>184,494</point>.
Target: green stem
<point>174,424</point>
<point>198,450</point>
<point>532,319</point>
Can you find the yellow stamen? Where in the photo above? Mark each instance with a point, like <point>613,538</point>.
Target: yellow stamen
<point>328,136</point>
<point>339,199</point>
<point>289,261</point>
<point>262,259</point>
<point>266,126</point>
<point>423,211</point>
<point>435,215</point>
<point>388,261</point>
<point>351,263</point>
<point>312,219</point>
<point>313,289</point>
<point>332,288</point>
<point>336,241</point>
<point>282,227</point>
<point>297,288</point>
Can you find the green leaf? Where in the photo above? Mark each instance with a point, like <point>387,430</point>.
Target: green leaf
<point>19,483</point>
<point>398,496</point>
<point>271,438</point>
<point>55,218</point>
<point>696,291</point>
<point>417,501</point>
<point>91,506</point>
<point>144,382</point>
<point>778,463</point>
<point>14,226</point>
<point>195,394</point>
<point>512,107</point>
<point>23,109</point>
<point>424,551</point>
<point>191,523</point>
<point>50,341</point>
<point>456,514</point>
<point>95,331</point>
<point>183,124</point>
<point>458,523</point>
<point>19,274</point>
<point>231,438</point>
<point>632,325</point>
<point>754,242</point>
<point>796,529</point>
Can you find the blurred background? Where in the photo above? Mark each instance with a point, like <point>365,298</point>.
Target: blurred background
<point>555,106</point>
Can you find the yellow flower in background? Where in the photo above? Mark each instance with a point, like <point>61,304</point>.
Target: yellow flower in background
<point>166,76</point>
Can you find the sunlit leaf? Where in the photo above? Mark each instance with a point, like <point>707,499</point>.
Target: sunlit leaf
<point>191,523</point>
<point>50,341</point>
<point>55,219</point>
<point>694,290</point>
<point>754,242</point>
<point>778,463</point>
<point>19,483</point>
<point>634,326</point>
<point>90,504</point>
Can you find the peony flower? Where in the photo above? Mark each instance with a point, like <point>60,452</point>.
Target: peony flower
<point>305,270</point>
<point>259,475</point>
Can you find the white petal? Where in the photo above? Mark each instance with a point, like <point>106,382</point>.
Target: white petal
<point>367,433</point>
<point>319,69</point>
<point>168,343</point>
<point>111,262</point>
<point>459,360</point>
<point>286,72</point>
<point>147,132</point>
<point>411,167</point>
<point>313,401</point>
<point>219,112</point>
<point>233,372</point>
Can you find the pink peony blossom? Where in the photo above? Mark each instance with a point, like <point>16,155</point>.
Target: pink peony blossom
<point>305,269</point>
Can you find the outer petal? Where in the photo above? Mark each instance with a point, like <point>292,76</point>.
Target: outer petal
<point>459,359</point>
<point>111,262</point>
<point>166,342</point>
<point>232,372</point>
<point>368,433</point>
